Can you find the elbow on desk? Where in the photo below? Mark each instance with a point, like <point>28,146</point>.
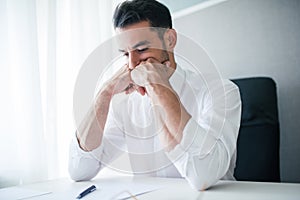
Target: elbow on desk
<point>204,173</point>
<point>79,175</point>
<point>200,184</point>
<point>83,171</point>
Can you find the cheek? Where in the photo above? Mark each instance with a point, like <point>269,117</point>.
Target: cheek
<point>156,54</point>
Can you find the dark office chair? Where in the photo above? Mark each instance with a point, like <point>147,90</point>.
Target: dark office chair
<point>258,141</point>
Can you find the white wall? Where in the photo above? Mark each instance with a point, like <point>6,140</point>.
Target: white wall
<point>257,38</point>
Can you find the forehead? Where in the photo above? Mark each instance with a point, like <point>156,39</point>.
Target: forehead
<point>131,35</point>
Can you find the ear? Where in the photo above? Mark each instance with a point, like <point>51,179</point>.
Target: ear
<point>170,39</point>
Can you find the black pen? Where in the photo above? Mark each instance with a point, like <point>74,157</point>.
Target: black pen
<point>86,192</point>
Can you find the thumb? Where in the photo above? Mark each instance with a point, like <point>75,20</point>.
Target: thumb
<point>167,63</point>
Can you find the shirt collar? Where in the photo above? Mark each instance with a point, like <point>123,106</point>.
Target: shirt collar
<point>177,79</point>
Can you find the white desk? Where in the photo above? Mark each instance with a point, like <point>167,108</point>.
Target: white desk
<point>170,189</point>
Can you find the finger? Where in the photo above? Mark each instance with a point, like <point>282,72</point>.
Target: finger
<point>129,90</point>
<point>129,87</point>
<point>152,60</point>
<point>140,90</point>
<point>149,60</point>
<point>124,69</point>
<point>167,63</point>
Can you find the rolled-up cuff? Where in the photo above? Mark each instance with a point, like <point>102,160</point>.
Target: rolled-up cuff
<point>87,154</point>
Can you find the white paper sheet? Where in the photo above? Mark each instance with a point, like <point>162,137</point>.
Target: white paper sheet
<point>129,190</point>
<point>17,193</point>
<point>120,191</point>
<point>111,190</point>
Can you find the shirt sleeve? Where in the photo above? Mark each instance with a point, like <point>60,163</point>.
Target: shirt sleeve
<point>85,165</point>
<point>209,141</point>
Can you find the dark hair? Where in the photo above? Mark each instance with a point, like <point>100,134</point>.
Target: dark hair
<point>134,11</point>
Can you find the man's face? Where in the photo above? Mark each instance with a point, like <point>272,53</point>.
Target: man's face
<point>139,42</point>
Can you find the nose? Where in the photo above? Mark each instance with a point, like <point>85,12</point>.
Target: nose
<point>133,59</point>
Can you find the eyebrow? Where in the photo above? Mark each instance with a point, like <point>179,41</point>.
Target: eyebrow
<point>141,43</point>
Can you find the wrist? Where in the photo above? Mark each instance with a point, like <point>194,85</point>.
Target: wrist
<point>159,89</point>
<point>103,98</point>
<point>106,91</point>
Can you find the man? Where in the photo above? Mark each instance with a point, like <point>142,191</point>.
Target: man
<point>163,116</point>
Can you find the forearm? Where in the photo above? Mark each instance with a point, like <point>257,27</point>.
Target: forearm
<point>90,131</point>
<point>171,113</point>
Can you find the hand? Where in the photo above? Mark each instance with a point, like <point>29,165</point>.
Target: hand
<point>122,82</point>
<point>151,73</point>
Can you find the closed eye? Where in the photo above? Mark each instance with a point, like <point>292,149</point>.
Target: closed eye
<point>142,50</point>
<point>125,54</point>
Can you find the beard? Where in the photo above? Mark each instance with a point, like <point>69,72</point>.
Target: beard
<point>165,54</point>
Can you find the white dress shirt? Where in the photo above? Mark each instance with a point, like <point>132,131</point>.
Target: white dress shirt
<point>206,153</point>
